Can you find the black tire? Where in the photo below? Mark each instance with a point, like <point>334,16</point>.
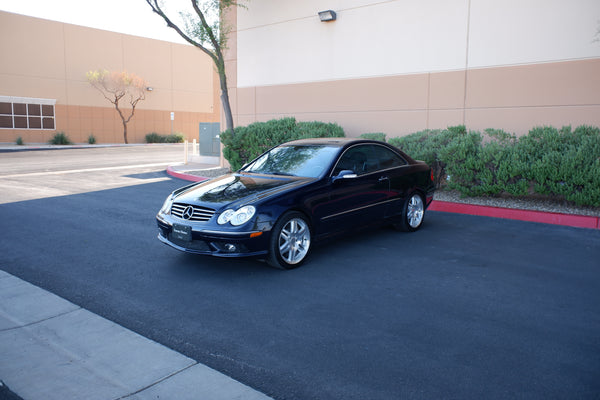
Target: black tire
<point>290,241</point>
<point>413,213</point>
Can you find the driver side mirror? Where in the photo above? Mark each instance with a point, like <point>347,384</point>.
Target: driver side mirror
<point>345,174</point>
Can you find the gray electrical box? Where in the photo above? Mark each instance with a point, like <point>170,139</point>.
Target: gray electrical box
<point>210,144</point>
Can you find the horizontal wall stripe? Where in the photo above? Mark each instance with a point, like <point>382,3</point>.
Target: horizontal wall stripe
<point>510,98</point>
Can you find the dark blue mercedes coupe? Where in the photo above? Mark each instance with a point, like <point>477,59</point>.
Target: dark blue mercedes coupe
<point>295,194</point>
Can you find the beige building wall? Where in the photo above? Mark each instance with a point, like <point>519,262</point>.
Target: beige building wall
<point>44,59</point>
<point>399,66</point>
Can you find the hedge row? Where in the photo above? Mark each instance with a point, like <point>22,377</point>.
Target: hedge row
<point>564,164</point>
<point>251,141</point>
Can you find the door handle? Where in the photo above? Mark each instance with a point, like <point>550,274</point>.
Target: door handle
<point>384,178</point>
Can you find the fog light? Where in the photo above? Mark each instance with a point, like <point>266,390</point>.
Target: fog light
<point>230,248</point>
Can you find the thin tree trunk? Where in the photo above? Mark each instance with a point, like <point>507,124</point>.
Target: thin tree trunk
<point>227,110</point>
<point>125,132</point>
<point>122,120</point>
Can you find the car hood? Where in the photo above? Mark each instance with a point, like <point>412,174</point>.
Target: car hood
<point>236,190</point>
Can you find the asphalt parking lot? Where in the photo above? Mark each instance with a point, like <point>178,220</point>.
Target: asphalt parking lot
<point>468,307</point>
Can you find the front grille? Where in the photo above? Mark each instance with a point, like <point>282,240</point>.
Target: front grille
<point>193,213</point>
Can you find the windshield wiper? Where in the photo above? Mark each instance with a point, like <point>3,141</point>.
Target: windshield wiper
<point>278,173</point>
<point>281,173</point>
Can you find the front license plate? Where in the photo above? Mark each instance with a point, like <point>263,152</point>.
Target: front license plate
<point>182,232</point>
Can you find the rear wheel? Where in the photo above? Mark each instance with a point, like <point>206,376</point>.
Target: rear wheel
<point>290,241</point>
<point>413,213</point>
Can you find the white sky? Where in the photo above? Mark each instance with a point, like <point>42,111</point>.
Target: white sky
<point>133,17</point>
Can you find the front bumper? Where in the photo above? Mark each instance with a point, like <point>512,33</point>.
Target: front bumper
<point>215,242</point>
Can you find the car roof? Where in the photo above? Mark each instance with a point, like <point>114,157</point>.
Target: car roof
<point>333,141</point>
<point>345,142</point>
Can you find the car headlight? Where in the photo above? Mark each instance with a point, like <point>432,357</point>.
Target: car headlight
<point>166,207</point>
<point>238,217</point>
<point>225,217</point>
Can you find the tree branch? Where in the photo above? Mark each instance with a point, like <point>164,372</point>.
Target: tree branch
<point>206,35</point>
<point>210,32</point>
<point>156,8</point>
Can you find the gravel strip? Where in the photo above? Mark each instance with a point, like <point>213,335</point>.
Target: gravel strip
<point>544,205</point>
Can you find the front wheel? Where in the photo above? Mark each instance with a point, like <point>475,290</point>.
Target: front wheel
<point>413,213</point>
<point>290,241</point>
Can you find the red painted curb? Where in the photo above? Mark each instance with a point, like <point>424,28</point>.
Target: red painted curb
<point>187,177</point>
<point>578,221</point>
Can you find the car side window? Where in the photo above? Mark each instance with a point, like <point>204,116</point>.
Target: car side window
<point>387,158</point>
<point>365,159</point>
<point>354,159</point>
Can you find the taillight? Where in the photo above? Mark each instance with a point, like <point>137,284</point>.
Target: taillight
<point>432,180</point>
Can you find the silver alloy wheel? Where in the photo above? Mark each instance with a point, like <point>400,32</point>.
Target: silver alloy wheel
<point>294,241</point>
<point>415,211</point>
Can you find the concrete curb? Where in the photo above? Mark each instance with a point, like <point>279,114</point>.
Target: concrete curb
<point>185,176</point>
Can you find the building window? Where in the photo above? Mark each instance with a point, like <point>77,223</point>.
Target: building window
<point>26,113</point>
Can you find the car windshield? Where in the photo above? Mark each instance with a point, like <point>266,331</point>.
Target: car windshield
<point>294,160</point>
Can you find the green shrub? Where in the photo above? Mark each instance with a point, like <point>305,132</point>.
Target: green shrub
<point>464,163</point>
<point>175,138</point>
<point>252,140</point>
<point>562,164</point>
<point>20,141</point>
<point>374,136</point>
<point>91,139</point>
<point>426,146</point>
<point>154,138</point>
<point>458,130</point>
<point>60,138</point>
<point>172,138</point>
<point>316,129</point>
<point>474,161</point>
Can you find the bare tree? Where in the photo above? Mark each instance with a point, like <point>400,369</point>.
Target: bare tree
<point>205,30</point>
<point>119,88</point>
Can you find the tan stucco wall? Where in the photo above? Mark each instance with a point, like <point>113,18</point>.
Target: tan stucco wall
<point>399,67</point>
<point>511,98</point>
<point>47,59</point>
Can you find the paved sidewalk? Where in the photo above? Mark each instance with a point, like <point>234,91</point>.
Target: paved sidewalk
<point>53,349</point>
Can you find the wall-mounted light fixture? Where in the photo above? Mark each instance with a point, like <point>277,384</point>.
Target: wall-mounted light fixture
<point>326,16</point>
<point>149,88</point>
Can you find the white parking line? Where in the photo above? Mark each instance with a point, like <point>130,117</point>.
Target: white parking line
<point>74,171</point>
